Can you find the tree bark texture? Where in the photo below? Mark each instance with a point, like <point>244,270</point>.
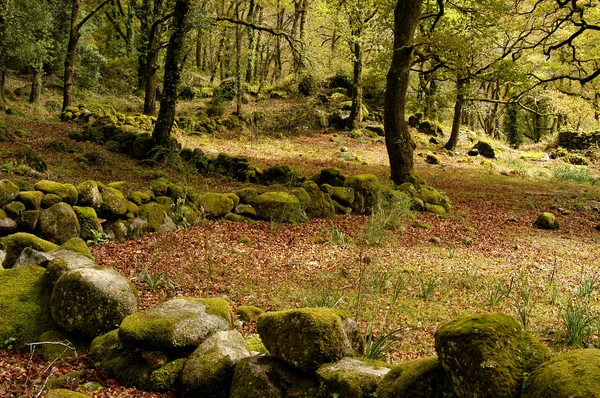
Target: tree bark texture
<point>458,107</point>
<point>173,64</point>
<point>35,96</point>
<point>356,109</point>
<point>70,57</point>
<point>398,141</point>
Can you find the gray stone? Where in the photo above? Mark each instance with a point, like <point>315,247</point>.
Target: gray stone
<point>30,256</point>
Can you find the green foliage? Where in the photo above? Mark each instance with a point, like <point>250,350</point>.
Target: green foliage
<point>427,286</point>
<point>579,175</point>
<point>90,62</point>
<point>99,237</point>
<point>337,236</point>
<point>497,291</point>
<point>154,280</point>
<point>378,347</point>
<point>579,321</point>
<point>513,125</point>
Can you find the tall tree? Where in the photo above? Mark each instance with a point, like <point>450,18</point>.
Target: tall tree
<point>173,64</point>
<point>74,35</point>
<point>398,141</point>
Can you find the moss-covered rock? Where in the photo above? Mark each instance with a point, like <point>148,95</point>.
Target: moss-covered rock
<point>64,393</point>
<point>216,205</point>
<point>50,200</point>
<point>92,301</point>
<point>435,209</point>
<point>572,374</point>
<point>88,222</point>
<point>139,198</point>
<point>268,377</point>
<point>432,159</point>
<point>27,221</point>
<point>209,370</point>
<point>148,370</point>
<point>420,378</point>
<point>67,192</point>
<point>65,261</point>
<point>351,377</point>
<point>33,257</point>
<point>14,209</point>
<point>89,195</point>
<point>485,149</point>
<point>547,220</point>
<point>77,245</point>
<point>24,307</point>
<point>279,207</point>
<point>247,195</point>
<point>157,217</point>
<point>165,201</point>
<point>488,355</point>
<point>320,202</point>
<point>245,211</point>
<point>248,313</point>
<point>238,218</point>
<point>58,224</point>
<point>366,188</point>
<point>331,176</point>
<point>7,224</point>
<point>159,186</point>
<point>31,199</point>
<point>309,337</point>
<point>176,323</point>
<point>432,196</point>
<point>52,352</point>
<point>14,245</point>
<point>113,204</point>
<point>137,227</point>
<point>117,230</point>
<point>344,196</point>
<point>8,192</point>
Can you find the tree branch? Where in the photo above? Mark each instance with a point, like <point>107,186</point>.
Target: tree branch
<point>91,14</point>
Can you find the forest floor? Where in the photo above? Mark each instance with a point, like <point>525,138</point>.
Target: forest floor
<point>485,256</point>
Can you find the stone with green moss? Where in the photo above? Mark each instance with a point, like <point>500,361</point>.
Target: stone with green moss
<point>209,370</point>
<point>420,378</point>
<point>56,345</point>
<point>268,377</point>
<point>320,204</point>
<point>24,307</point>
<point>148,370</point>
<point>28,220</point>
<point>139,198</point>
<point>157,217</point>
<point>159,186</point>
<point>89,195</point>
<point>547,220</point>
<point>114,204</point>
<point>50,200</point>
<point>279,207</point>
<point>351,377</point>
<point>89,223</point>
<point>122,186</point>
<point>117,230</point>
<point>67,192</point>
<point>248,313</point>
<point>58,224</point>
<point>572,374</point>
<point>309,337</point>
<point>432,196</point>
<point>15,243</point>
<point>31,199</point>
<point>247,195</point>
<point>245,210</point>
<point>332,176</point>
<point>435,209</point>
<point>92,301</point>
<point>65,261</point>
<point>216,205</point>
<point>8,192</point>
<point>344,196</point>
<point>366,188</point>
<point>64,393</point>
<point>137,227</point>
<point>62,381</point>
<point>14,209</point>
<point>238,218</point>
<point>485,149</point>
<point>176,323</point>
<point>77,245</point>
<point>132,210</point>
<point>488,355</point>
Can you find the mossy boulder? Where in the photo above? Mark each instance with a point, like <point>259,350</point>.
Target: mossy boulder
<point>157,217</point>
<point>248,313</point>
<point>268,377</point>
<point>7,224</point>
<point>320,202</point>
<point>238,218</point>
<point>52,352</point>
<point>351,377</point>
<point>24,305</point>
<point>366,189</point>
<point>113,204</point>
<point>547,220</point>
<point>330,175</point>
<point>420,378</point>
<point>159,186</point>
<point>247,195</point>
<point>485,149</point>
<point>67,192</point>
<point>176,323</point>
<point>77,245</point>
<point>149,370</point>
<point>245,211</point>
<point>64,393</point>
<point>33,257</point>
<point>430,195</point>
<point>344,196</point>
<point>117,230</point>
<point>137,227</point>
<point>216,205</point>
<point>572,374</point>
<point>209,370</point>
<point>14,245</point>
<point>67,260</point>
<point>27,221</point>
<point>31,199</point>
<point>58,224</point>
<point>8,192</point>
<point>88,222</point>
<point>92,301</point>
<point>14,209</point>
<point>279,207</point>
<point>50,200</point>
<point>89,195</point>
<point>432,159</point>
<point>310,337</point>
<point>488,355</point>
<point>139,198</point>
<point>279,174</point>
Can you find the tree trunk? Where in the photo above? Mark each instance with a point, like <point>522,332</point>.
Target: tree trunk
<point>2,85</point>
<point>35,96</point>
<point>238,64</point>
<point>199,51</point>
<point>356,109</point>
<point>251,44</point>
<point>175,56</point>
<point>70,57</point>
<point>152,60</point>
<point>458,106</point>
<point>398,141</point>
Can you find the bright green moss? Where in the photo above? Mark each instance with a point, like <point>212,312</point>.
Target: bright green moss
<point>50,200</point>
<point>351,377</point>
<point>366,188</point>
<point>421,378</point>
<point>113,204</point>
<point>238,218</point>
<point>31,199</point>
<point>24,305</point>
<point>546,221</point>
<point>77,245</point>
<point>15,243</point>
<point>64,393</point>
<point>166,377</point>
<point>14,209</point>
<point>248,313</point>
<point>216,205</point>
<point>155,214</point>
<point>67,192</point>
<point>139,198</point>
<point>435,209</point>
<point>279,207</point>
<point>431,196</point>
<point>8,192</point>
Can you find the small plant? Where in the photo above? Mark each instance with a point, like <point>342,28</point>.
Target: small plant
<point>451,250</point>
<point>378,347</point>
<point>426,286</point>
<point>9,166</point>
<point>498,291</point>
<point>179,208</point>
<point>588,286</point>
<point>380,280</point>
<point>322,298</point>
<point>470,278</point>
<point>337,236</point>
<point>9,343</point>
<point>579,321</point>
<point>98,238</point>
<point>524,305</point>
<point>575,174</point>
<point>154,280</point>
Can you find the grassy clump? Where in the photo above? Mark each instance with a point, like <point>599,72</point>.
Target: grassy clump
<point>579,175</point>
